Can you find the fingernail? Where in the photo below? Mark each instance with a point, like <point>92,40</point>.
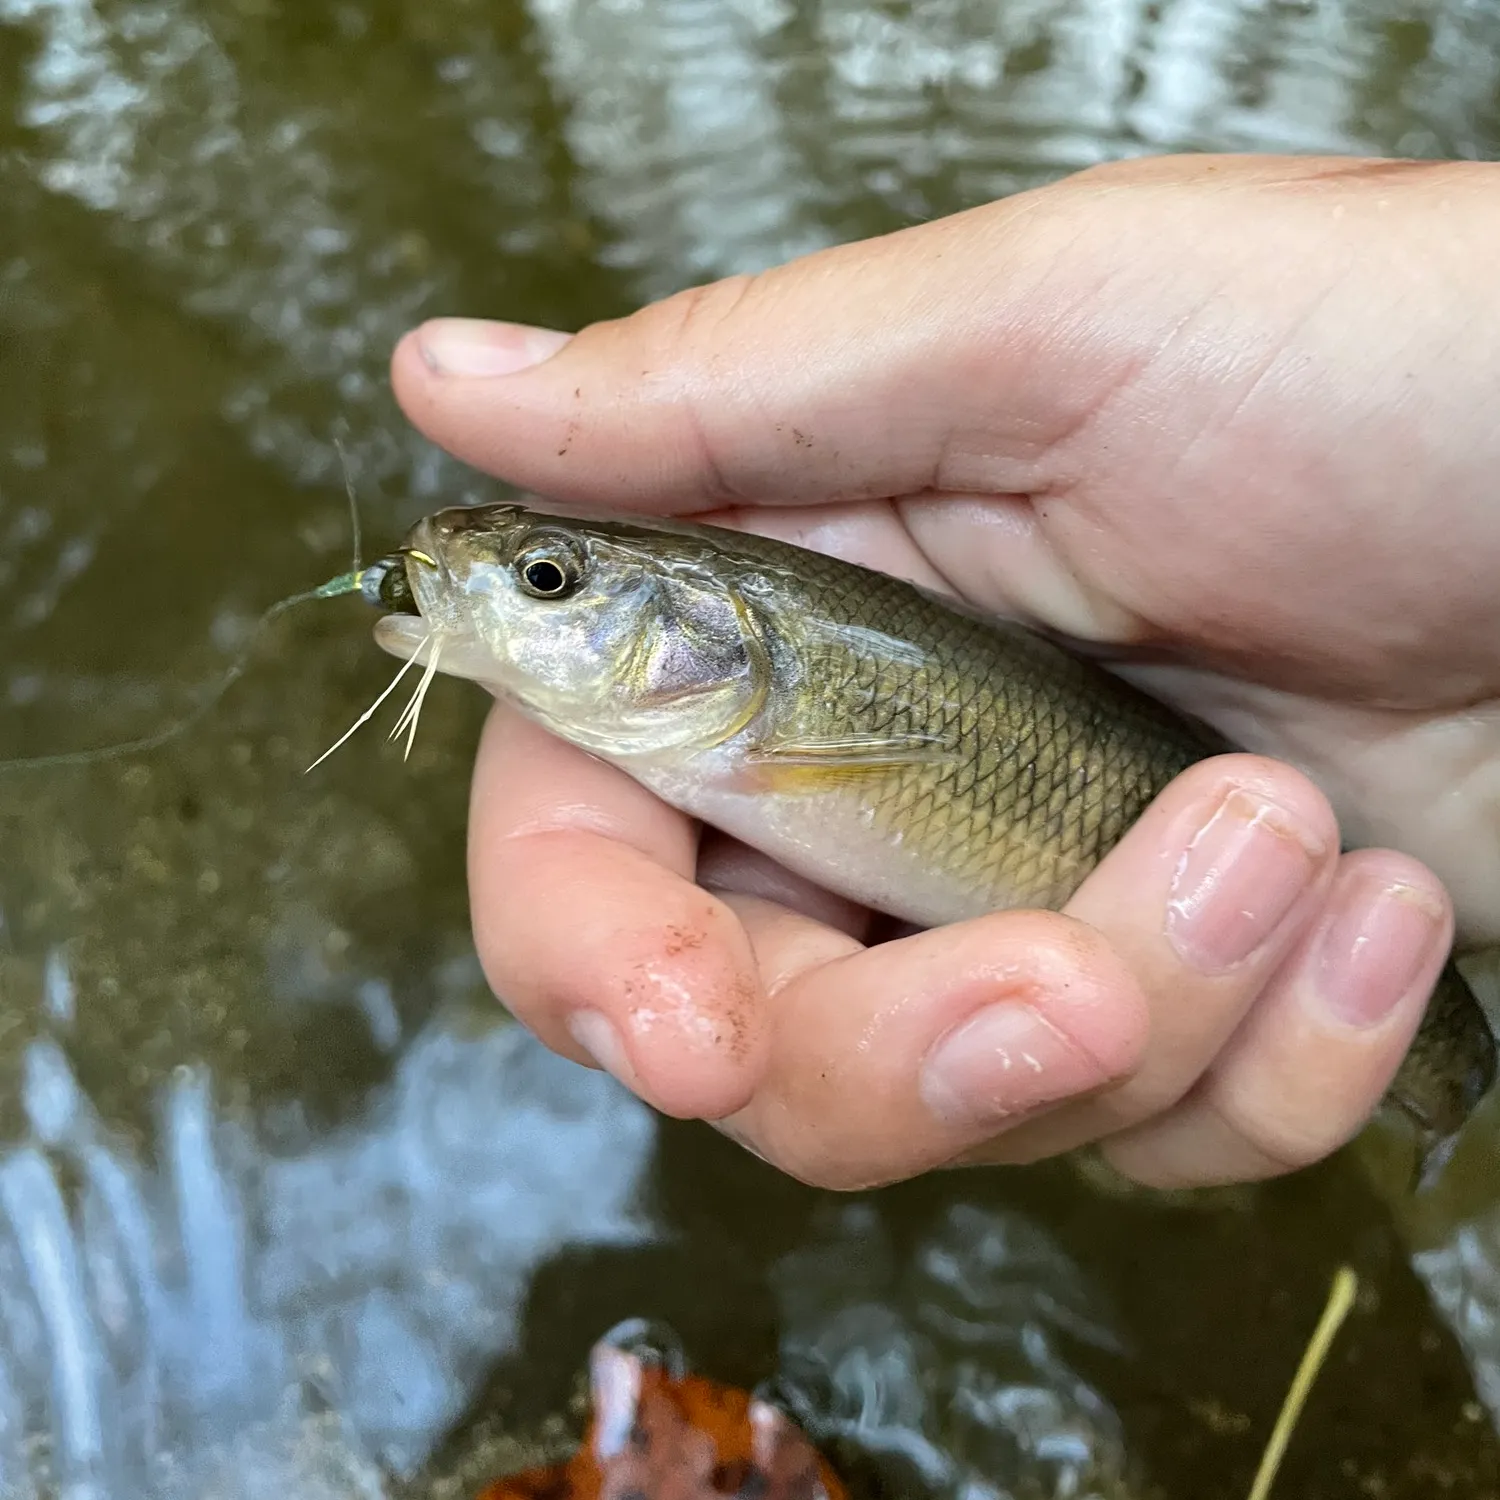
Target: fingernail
<point>1371,950</point>
<point>473,347</point>
<point>1237,880</point>
<point>1004,1061</point>
<point>596,1034</point>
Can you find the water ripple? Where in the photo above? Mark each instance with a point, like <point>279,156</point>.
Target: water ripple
<point>162,1325</point>
<point>948,1364</point>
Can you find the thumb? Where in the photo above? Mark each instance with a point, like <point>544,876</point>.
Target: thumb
<point>952,356</point>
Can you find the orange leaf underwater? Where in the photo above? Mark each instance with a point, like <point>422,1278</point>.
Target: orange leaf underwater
<point>656,1436</point>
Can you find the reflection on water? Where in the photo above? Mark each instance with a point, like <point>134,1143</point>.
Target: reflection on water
<point>269,1223</point>
<point>1458,1251</point>
<point>258,1310</point>
<point>940,1364</point>
<point>259,1280</point>
<point>676,121</point>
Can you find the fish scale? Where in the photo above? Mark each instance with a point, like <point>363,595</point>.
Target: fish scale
<point>1040,781</point>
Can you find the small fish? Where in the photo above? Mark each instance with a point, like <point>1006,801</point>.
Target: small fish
<point>662,1434</point>
<point>930,762</point>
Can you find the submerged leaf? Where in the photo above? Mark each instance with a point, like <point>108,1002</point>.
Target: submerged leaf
<point>655,1435</point>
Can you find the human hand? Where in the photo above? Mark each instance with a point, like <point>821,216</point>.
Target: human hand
<point>1225,418</point>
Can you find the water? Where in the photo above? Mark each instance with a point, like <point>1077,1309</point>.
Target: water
<point>285,1205</point>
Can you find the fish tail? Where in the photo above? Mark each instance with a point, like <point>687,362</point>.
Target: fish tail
<point>1446,1073</point>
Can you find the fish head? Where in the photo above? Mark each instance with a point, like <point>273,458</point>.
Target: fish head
<point>625,639</point>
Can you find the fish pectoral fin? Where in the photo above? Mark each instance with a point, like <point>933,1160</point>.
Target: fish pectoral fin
<point>852,750</point>
<point>810,764</point>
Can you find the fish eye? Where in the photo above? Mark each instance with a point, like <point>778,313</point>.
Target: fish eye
<point>549,569</point>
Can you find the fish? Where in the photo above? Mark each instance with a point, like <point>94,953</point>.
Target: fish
<point>903,749</point>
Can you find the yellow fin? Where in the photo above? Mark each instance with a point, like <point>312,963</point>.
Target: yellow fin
<point>852,750</point>
<point>801,777</point>
<point>815,765</point>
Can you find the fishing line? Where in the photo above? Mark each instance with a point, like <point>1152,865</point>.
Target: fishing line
<point>355,581</point>
<point>345,583</point>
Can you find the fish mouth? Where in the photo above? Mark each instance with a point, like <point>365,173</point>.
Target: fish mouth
<point>460,653</point>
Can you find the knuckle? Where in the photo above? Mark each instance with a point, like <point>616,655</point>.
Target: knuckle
<point>1286,1135</point>
<point>812,1163</point>
<point>836,1177</point>
<point>812,1168</point>
<point>697,315</point>
<point>695,332</point>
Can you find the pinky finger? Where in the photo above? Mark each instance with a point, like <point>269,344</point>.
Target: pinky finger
<point>1308,1065</point>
